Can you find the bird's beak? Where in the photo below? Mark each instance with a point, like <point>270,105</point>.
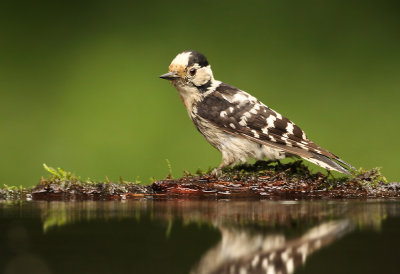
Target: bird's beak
<point>169,76</point>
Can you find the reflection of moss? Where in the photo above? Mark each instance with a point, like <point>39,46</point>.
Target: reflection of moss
<point>253,216</point>
<point>55,218</point>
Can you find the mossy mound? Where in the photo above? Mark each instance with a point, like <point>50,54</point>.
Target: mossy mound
<point>276,180</point>
<point>261,180</point>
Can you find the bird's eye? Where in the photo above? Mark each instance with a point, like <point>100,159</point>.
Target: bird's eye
<point>192,71</point>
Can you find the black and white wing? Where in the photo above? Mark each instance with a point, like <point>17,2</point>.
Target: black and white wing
<point>239,113</point>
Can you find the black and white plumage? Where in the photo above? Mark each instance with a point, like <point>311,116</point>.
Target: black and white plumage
<point>236,123</point>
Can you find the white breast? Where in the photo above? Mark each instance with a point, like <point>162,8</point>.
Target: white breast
<point>235,149</point>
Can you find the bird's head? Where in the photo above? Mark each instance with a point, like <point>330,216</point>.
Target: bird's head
<point>190,69</point>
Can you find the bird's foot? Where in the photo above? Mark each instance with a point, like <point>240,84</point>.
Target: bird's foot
<point>217,172</point>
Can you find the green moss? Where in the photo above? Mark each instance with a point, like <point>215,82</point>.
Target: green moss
<point>371,177</point>
<point>60,174</point>
<point>296,168</point>
<point>14,192</point>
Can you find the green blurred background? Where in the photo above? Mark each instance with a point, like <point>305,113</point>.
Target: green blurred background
<point>80,89</point>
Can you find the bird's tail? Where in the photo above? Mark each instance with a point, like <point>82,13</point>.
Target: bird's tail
<point>336,164</point>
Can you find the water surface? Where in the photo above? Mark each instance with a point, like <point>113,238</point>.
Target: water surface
<point>200,236</point>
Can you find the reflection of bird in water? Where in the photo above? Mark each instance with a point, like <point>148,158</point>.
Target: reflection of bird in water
<point>242,252</point>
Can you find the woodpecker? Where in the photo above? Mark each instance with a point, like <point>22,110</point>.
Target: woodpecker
<point>238,124</point>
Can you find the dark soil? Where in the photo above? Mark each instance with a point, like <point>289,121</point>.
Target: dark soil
<point>263,180</point>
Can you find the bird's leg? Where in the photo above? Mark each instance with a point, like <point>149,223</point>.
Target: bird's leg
<point>217,172</point>
<point>225,162</point>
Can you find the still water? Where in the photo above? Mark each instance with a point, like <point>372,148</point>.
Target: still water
<point>200,236</point>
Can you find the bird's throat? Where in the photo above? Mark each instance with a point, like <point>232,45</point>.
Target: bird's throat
<point>189,96</point>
